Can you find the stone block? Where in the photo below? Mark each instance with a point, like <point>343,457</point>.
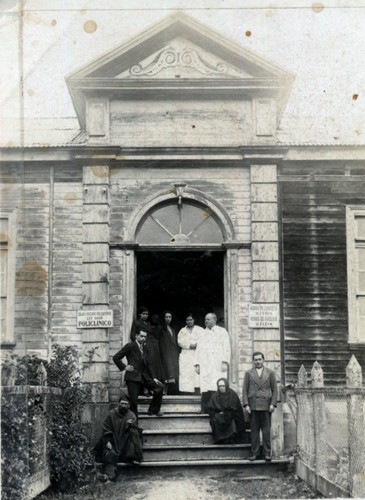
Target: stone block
<point>100,352</point>
<point>96,372</point>
<point>96,293</point>
<point>265,271</point>
<point>96,194</point>
<point>95,272</point>
<point>271,350</point>
<point>95,335</point>
<point>263,193</point>
<point>95,252</point>
<point>263,173</point>
<point>266,334</point>
<point>96,233</point>
<point>264,212</point>
<point>264,231</point>
<point>265,291</point>
<point>96,174</point>
<point>95,213</point>
<point>265,251</point>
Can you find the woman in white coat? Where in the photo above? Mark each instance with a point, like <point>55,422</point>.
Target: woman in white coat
<point>188,339</point>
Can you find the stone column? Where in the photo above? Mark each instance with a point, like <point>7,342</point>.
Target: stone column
<point>265,276</point>
<point>96,290</point>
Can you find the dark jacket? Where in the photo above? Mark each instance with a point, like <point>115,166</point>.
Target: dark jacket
<point>133,354</point>
<point>260,392</point>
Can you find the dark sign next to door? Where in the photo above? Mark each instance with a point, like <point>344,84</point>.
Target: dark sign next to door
<point>95,319</point>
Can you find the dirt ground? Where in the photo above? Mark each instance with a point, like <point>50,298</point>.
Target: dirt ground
<point>191,484</point>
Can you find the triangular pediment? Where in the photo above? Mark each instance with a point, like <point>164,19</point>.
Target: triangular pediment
<point>178,49</point>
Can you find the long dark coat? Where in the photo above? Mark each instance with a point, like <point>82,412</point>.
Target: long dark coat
<point>226,417</point>
<point>153,355</point>
<point>169,353</point>
<point>123,436</point>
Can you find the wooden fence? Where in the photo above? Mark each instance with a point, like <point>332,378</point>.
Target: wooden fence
<point>330,432</point>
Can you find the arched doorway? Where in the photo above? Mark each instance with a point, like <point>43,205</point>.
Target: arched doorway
<point>181,254</point>
<point>180,261</point>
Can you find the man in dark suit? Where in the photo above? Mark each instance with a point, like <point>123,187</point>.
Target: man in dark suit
<point>259,400</point>
<point>137,374</point>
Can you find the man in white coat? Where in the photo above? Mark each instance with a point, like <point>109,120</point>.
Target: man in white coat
<point>212,358</point>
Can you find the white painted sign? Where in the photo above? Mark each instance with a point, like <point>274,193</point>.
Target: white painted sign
<point>263,316</point>
<point>95,319</point>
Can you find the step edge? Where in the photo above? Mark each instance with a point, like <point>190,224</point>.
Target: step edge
<point>196,446</point>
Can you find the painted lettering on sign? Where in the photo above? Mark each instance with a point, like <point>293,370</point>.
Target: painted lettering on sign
<point>263,315</point>
<point>95,319</point>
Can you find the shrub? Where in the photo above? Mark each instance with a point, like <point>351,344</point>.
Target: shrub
<point>71,458</point>
<point>70,455</point>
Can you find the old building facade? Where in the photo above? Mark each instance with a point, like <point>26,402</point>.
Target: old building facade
<point>176,194</point>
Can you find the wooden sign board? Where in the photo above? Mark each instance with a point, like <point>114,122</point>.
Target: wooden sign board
<point>95,319</point>
<point>263,316</point>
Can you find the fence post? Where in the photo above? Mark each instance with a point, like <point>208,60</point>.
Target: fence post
<point>302,413</point>
<point>319,420</point>
<point>355,418</point>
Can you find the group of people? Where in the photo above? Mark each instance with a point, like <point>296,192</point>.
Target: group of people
<point>162,362</point>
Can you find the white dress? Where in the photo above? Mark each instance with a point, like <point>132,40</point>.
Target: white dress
<point>188,378</point>
<point>213,348</point>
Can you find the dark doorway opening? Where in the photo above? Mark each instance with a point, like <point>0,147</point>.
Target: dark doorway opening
<point>182,282</point>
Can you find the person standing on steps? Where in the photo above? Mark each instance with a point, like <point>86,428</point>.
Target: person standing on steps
<point>260,400</point>
<point>188,338</point>
<point>169,354</point>
<point>141,323</point>
<point>137,374</point>
<point>213,354</point>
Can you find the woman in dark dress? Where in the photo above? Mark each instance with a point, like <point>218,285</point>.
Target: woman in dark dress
<point>226,415</point>
<point>169,354</point>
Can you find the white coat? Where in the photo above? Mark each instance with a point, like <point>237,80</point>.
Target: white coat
<point>213,349</point>
<point>188,378</point>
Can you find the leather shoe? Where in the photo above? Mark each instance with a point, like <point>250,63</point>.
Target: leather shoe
<point>158,414</point>
<point>253,458</point>
<point>267,458</point>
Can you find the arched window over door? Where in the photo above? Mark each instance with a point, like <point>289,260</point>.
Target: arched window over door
<point>180,222</point>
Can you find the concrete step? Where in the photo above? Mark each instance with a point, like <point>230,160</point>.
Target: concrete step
<point>172,404</point>
<point>175,421</point>
<point>177,437</point>
<point>211,466</point>
<point>195,452</point>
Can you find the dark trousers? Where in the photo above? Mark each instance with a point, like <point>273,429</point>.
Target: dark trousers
<point>260,420</point>
<point>134,389</point>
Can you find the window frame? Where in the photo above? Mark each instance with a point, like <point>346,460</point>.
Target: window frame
<point>352,270</point>
<point>7,339</point>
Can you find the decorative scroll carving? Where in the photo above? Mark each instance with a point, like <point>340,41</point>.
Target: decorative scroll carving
<point>353,373</point>
<point>170,57</point>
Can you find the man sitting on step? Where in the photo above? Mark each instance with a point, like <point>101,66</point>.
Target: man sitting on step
<point>137,374</point>
<point>120,440</point>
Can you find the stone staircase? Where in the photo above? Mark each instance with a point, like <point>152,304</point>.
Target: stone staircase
<point>182,437</point>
